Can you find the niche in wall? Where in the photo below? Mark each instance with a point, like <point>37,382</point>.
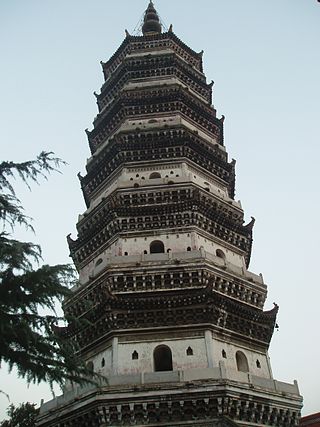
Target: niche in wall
<point>156,247</point>
<point>162,358</point>
<point>242,362</point>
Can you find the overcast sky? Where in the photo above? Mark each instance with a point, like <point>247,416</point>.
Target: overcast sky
<point>264,57</point>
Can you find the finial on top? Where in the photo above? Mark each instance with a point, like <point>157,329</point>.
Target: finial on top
<point>151,21</point>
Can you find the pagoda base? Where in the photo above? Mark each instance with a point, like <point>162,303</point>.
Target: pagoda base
<point>199,397</point>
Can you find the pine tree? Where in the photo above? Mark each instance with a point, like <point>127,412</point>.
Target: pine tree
<point>23,415</point>
<point>27,341</point>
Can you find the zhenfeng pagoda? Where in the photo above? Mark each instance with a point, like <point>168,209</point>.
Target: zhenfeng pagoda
<point>170,315</point>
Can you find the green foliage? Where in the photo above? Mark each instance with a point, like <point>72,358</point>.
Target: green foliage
<point>11,211</point>
<point>22,416</point>
<point>28,290</point>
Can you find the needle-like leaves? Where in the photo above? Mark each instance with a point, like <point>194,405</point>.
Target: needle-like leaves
<point>28,290</point>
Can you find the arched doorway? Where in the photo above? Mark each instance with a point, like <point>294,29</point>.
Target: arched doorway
<point>162,358</point>
<point>154,175</point>
<point>156,247</point>
<point>242,362</point>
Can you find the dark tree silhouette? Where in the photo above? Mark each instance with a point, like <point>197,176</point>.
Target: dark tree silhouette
<point>22,416</point>
<point>27,341</point>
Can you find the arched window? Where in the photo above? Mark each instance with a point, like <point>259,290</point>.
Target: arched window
<point>162,358</point>
<point>188,248</point>
<point>220,254</point>
<point>242,362</point>
<point>258,364</point>
<point>224,354</point>
<point>154,175</point>
<point>189,351</point>
<point>168,250</point>
<point>99,261</point>
<point>103,363</point>
<point>126,253</point>
<point>156,247</point>
<point>136,185</point>
<point>145,251</point>
<point>135,355</point>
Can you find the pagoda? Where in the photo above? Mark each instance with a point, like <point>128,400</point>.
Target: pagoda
<point>173,319</point>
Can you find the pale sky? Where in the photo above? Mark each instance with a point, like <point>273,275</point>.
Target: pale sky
<point>264,57</point>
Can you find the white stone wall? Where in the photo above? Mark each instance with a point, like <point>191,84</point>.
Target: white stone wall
<point>178,242</point>
<point>98,362</point>
<point>94,266</point>
<point>173,242</point>
<point>252,357</point>
<point>125,364</point>
<point>145,350</point>
<point>210,246</point>
<point>178,172</point>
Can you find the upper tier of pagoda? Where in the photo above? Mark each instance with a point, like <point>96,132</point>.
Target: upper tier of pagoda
<point>151,75</point>
<point>155,108</point>
<point>131,44</point>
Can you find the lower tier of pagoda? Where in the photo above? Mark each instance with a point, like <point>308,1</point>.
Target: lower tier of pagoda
<point>215,397</point>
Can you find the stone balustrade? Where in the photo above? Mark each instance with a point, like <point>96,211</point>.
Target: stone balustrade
<point>217,376</point>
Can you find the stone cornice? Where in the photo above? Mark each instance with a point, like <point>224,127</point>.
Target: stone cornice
<point>148,67</point>
<point>110,311</point>
<point>202,398</point>
<point>157,41</point>
<point>175,99</point>
<point>167,145</point>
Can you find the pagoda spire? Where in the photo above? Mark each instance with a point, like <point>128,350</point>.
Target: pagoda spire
<point>151,21</point>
